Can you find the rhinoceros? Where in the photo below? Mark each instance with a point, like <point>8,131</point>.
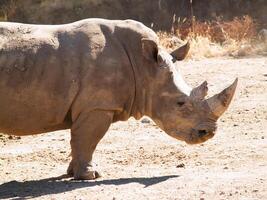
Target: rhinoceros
<point>88,74</point>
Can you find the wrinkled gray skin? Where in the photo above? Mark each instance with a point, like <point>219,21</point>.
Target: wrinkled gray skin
<point>91,73</point>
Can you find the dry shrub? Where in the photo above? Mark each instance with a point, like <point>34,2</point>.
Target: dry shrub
<point>217,30</point>
<point>216,38</point>
<point>240,28</point>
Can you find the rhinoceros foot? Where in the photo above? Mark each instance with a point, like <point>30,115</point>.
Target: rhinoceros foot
<point>83,173</point>
<point>89,175</point>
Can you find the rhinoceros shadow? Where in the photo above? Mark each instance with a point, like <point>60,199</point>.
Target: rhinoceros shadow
<point>55,185</point>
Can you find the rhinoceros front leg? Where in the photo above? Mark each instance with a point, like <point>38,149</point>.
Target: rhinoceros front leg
<point>86,132</point>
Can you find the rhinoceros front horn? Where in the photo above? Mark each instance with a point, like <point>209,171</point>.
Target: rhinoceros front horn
<point>181,52</point>
<point>220,102</point>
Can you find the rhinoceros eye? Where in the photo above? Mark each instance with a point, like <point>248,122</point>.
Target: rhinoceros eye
<point>180,103</point>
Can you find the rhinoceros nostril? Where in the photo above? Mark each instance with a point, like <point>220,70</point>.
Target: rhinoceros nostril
<point>201,133</point>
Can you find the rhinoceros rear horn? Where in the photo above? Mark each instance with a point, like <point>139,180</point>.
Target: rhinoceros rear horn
<point>220,102</point>
<point>200,92</point>
<point>181,52</point>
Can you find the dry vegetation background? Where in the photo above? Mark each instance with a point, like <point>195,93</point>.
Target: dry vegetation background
<point>216,38</point>
<point>218,28</point>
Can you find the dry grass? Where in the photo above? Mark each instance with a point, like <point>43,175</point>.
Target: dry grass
<point>216,38</point>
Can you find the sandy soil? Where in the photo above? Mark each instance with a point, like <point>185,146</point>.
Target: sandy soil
<point>139,161</point>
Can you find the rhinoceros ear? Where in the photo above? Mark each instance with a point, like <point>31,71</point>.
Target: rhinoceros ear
<point>149,49</point>
<point>181,52</point>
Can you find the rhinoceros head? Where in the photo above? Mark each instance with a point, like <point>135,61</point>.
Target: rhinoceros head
<point>182,112</point>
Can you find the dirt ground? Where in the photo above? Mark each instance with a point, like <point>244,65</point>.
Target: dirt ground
<point>139,161</point>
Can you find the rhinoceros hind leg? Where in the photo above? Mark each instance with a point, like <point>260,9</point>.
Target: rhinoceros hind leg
<point>86,132</point>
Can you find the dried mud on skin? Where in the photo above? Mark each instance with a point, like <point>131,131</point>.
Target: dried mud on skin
<point>139,161</point>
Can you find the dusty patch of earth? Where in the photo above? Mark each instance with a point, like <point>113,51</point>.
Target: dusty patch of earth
<point>139,161</point>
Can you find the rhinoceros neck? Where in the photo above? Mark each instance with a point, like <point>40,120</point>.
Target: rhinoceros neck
<point>134,32</point>
<point>142,103</point>
<point>142,95</point>
<point>138,108</point>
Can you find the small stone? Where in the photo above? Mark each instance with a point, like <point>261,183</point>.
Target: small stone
<point>182,165</point>
<point>10,137</point>
<point>262,35</point>
<point>262,137</point>
<point>145,121</point>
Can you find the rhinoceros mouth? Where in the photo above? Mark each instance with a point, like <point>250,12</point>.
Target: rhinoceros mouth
<point>193,137</point>
<point>197,137</point>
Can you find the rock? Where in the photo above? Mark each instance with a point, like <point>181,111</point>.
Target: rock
<point>182,165</point>
<point>145,121</point>
<point>262,35</point>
